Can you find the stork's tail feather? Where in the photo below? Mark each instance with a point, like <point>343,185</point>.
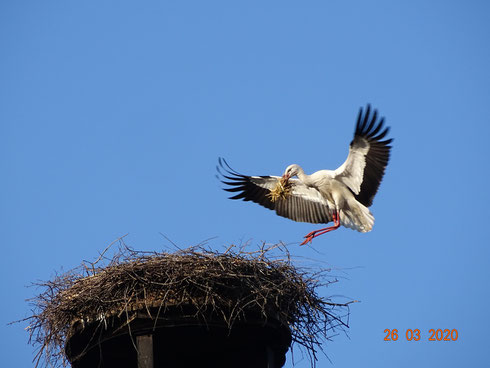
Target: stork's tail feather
<point>357,218</point>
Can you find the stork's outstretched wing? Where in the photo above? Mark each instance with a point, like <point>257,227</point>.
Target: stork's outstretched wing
<point>304,204</point>
<point>368,156</point>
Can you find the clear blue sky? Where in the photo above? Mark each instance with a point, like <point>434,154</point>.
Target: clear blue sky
<point>113,114</point>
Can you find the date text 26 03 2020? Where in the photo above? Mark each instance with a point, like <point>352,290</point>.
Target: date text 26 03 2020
<point>414,335</point>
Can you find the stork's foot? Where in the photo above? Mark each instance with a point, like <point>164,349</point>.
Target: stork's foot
<point>307,240</point>
<point>310,236</point>
<point>313,233</point>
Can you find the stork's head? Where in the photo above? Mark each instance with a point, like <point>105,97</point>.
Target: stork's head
<point>291,170</point>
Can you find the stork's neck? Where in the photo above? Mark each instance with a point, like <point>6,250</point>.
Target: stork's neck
<point>305,179</point>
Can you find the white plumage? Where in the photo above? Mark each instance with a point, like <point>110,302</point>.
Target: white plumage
<point>342,195</point>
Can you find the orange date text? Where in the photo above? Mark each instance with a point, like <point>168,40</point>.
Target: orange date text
<point>415,334</point>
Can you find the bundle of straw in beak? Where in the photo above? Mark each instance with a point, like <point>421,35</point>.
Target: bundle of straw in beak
<point>282,190</point>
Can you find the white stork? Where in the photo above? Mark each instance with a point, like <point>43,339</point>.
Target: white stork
<point>342,195</point>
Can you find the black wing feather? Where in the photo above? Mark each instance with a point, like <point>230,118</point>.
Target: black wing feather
<point>377,156</point>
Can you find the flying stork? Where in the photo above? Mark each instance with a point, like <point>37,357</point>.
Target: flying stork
<point>342,195</point>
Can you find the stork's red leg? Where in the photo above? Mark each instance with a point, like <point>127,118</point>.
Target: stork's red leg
<point>336,224</point>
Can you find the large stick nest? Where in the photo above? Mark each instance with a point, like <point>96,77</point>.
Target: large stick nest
<point>232,284</point>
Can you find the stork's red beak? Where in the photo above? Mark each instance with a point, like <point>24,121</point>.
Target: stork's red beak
<point>286,177</point>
